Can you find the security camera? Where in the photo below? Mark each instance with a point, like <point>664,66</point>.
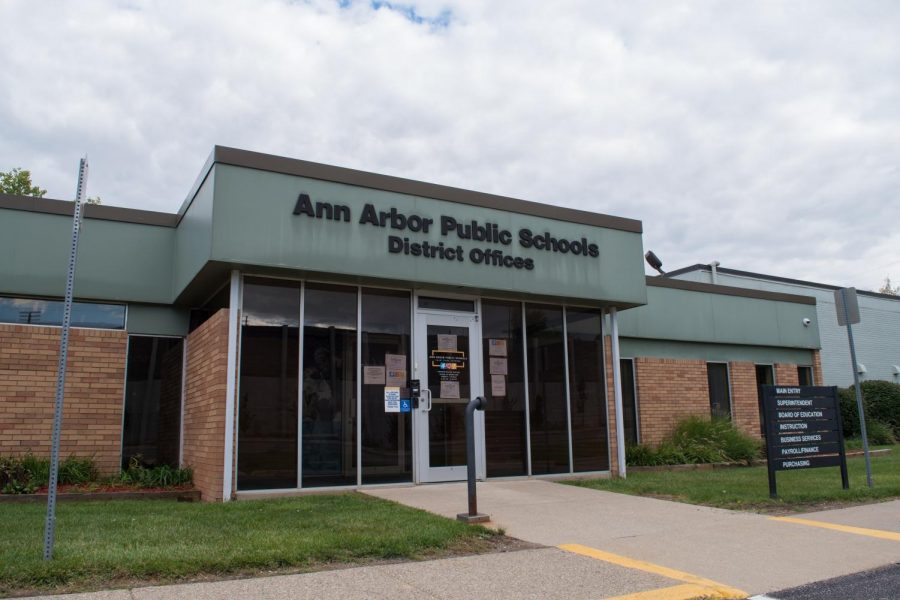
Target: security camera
<point>806,322</point>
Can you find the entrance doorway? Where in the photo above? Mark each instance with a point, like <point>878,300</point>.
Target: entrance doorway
<point>448,366</point>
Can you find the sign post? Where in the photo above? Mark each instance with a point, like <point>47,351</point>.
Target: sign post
<point>50,523</point>
<point>848,314</point>
<point>803,430</point>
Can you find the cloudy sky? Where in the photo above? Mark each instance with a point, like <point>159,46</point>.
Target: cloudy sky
<point>765,135</point>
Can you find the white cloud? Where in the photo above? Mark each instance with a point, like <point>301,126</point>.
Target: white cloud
<point>764,134</point>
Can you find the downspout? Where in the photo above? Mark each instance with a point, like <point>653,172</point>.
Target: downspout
<point>715,274</point>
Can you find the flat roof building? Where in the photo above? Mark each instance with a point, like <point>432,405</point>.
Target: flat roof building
<point>266,335</point>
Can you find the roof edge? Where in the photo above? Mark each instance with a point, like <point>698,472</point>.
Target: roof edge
<point>301,168</point>
<point>776,278</point>
<point>91,211</point>
<point>725,290</point>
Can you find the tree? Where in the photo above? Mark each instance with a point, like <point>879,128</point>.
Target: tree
<point>888,289</point>
<point>18,183</point>
<point>94,200</point>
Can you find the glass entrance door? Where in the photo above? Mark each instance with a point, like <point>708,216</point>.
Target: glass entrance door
<point>448,365</point>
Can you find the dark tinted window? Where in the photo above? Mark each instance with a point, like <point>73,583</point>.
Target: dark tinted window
<point>152,421</point>
<point>447,304</point>
<point>719,396</point>
<point>267,421</point>
<point>629,401</point>
<point>587,390</point>
<point>329,385</point>
<point>805,375</point>
<point>50,312</point>
<point>547,389</point>
<point>504,418</point>
<point>386,436</point>
<point>765,375</point>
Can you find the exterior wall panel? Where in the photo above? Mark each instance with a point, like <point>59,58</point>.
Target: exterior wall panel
<point>95,387</point>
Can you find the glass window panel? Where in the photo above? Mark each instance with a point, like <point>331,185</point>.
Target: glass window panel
<point>329,385</point>
<point>152,421</point>
<point>34,311</point>
<point>504,417</point>
<point>719,397</point>
<point>447,304</point>
<point>386,437</point>
<point>765,375</point>
<point>805,375</point>
<point>629,401</point>
<point>267,419</point>
<point>587,397</point>
<point>547,390</point>
<point>450,383</point>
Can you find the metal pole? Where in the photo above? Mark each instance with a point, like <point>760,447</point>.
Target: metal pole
<point>859,403</point>
<point>472,516</point>
<point>50,522</point>
<point>617,390</point>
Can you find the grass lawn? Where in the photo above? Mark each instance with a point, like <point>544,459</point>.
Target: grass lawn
<point>747,488</point>
<point>103,544</point>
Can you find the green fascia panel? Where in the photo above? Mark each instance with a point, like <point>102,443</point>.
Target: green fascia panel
<point>673,314</point>
<point>254,225</point>
<point>766,355</point>
<point>148,319</point>
<point>116,261</point>
<point>193,237</point>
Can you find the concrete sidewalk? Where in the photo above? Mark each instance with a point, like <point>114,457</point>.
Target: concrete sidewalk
<point>748,551</point>
<point>539,573</point>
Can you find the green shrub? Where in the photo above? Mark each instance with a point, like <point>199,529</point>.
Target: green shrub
<point>14,477</point>
<point>879,434</point>
<point>160,476</point>
<point>881,402</point>
<point>698,440</point>
<point>75,470</point>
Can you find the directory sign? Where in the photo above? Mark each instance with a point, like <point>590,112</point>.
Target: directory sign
<point>803,430</point>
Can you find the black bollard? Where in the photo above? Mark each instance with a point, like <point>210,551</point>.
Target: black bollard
<point>473,516</point>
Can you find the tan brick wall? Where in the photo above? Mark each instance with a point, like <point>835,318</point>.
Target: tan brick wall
<point>611,408</point>
<point>817,368</point>
<point>204,404</point>
<point>95,388</point>
<point>744,397</point>
<point>786,374</point>
<point>667,391</point>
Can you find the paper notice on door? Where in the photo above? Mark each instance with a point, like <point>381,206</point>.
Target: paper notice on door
<point>396,377</point>
<point>496,347</point>
<point>392,399</point>
<point>446,342</point>
<point>396,362</point>
<point>449,389</point>
<point>373,375</point>
<point>498,386</point>
<point>498,366</point>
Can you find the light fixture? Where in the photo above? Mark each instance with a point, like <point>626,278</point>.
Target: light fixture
<point>654,261</point>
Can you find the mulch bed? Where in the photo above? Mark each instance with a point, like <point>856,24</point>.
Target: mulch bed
<point>111,491</point>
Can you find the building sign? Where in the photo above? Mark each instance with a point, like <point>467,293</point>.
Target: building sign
<point>493,245</point>
<point>803,430</point>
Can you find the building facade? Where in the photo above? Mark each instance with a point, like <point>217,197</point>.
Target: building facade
<point>268,334</point>
<point>877,335</point>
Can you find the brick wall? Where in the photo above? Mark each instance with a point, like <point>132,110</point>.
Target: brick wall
<point>95,384</point>
<point>204,404</point>
<point>744,397</point>
<point>786,374</point>
<point>817,368</point>
<point>611,408</point>
<point>669,390</point>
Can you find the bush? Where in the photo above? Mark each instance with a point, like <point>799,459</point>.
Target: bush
<point>879,434</point>
<point>161,476</point>
<point>698,440</point>
<point>14,477</point>
<point>881,402</point>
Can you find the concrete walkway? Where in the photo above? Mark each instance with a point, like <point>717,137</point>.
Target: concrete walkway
<point>747,551</point>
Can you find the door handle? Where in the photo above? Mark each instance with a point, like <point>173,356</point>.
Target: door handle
<point>426,393</point>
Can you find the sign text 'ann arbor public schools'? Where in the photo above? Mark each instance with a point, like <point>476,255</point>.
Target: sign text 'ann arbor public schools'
<point>495,241</point>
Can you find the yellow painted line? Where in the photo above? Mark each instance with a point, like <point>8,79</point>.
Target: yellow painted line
<point>876,533</point>
<point>711,589</point>
<point>685,591</point>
